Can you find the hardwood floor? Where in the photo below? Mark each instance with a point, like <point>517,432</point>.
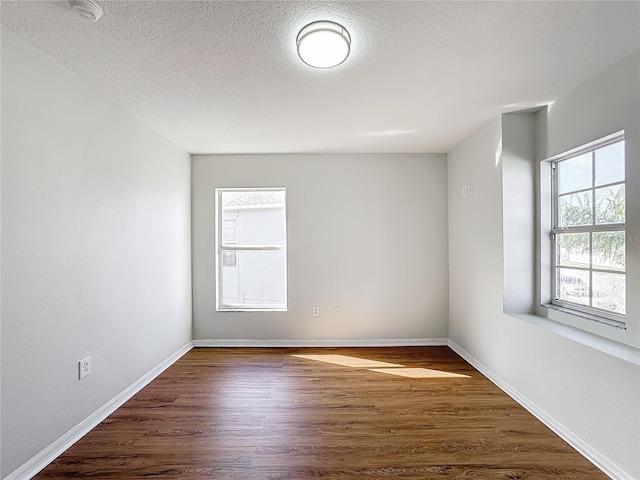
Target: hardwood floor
<point>265,414</point>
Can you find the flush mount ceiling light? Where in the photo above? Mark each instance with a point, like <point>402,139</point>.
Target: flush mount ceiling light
<point>89,9</point>
<point>323,44</point>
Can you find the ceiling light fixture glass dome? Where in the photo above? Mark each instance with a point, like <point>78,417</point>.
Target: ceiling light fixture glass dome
<point>323,44</point>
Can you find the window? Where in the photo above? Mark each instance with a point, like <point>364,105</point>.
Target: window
<point>251,245</point>
<point>588,232</point>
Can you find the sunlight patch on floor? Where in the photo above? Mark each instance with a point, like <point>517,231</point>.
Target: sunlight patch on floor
<point>419,373</point>
<point>347,361</point>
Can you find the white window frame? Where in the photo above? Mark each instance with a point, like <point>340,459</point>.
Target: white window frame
<point>589,312</point>
<point>220,249</point>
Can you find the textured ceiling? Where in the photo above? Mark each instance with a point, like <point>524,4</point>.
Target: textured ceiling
<point>223,77</point>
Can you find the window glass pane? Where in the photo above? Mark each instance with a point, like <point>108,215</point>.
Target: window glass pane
<point>609,292</point>
<point>259,216</point>
<point>575,209</point>
<point>575,173</point>
<point>228,259</point>
<point>573,250</point>
<point>610,203</point>
<point>610,164</point>
<point>608,250</point>
<point>258,278</point>
<point>229,230</point>
<point>573,286</point>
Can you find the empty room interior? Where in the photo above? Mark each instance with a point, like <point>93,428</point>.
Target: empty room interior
<point>290,240</point>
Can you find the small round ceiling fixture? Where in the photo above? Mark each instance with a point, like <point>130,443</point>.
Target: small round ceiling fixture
<point>323,44</point>
<point>89,9</point>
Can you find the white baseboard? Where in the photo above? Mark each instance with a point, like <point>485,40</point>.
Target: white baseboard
<point>49,454</point>
<point>591,453</point>
<point>400,342</point>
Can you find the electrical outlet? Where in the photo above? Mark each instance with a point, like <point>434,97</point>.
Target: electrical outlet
<point>465,190</point>
<point>84,367</point>
<point>337,310</point>
<point>470,189</point>
<point>315,311</point>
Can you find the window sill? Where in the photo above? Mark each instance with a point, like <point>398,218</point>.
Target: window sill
<point>616,349</point>
<point>239,309</point>
<point>620,324</point>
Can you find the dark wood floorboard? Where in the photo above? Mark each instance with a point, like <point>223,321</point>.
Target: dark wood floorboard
<point>264,414</point>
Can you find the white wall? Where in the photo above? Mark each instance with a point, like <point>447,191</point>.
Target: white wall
<point>592,393</point>
<point>366,232</point>
<point>95,250</point>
